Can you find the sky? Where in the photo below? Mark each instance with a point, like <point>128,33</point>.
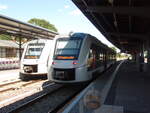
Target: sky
<point>62,13</point>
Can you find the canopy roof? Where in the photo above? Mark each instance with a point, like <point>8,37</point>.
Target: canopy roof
<point>18,28</point>
<point>123,22</point>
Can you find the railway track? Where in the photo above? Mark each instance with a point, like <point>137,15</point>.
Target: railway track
<point>51,101</point>
<point>19,100</point>
<point>52,98</point>
<point>9,83</point>
<point>9,86</point>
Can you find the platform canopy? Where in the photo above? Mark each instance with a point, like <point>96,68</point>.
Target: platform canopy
<point>125,23</point>
<point>18,28</point>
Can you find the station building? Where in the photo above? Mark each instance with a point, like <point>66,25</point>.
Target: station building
<point>9,54</point>
<point>9,49</point>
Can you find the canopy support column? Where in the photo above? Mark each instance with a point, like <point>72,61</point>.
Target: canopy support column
<point>141,58</point>
<point>148,52</point>
<point>20,49</point>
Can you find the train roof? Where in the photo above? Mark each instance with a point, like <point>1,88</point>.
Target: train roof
<point>102,44</point>
<point>84,35</point>
<point>81,35</point>
<point>39,40</point>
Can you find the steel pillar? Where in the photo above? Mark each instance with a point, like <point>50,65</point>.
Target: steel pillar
<point>148,52</point>
<point>20,44</point>
<point>134,57</point>
<point>137,57</point>
<point>141,58</point>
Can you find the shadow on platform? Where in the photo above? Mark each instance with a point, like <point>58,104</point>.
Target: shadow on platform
<point>131,89</point>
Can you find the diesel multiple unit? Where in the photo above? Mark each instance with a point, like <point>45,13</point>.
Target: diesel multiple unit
<point>77,57</point>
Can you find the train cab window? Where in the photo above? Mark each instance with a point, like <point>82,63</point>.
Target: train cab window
<point>67,48</point>
<point>34,50</point>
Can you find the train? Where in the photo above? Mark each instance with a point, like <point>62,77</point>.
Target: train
<point>36,57</point>
<point>77,57</point>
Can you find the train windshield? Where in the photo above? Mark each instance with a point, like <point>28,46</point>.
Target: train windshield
<point>34,50</point>
<point>67,49</point>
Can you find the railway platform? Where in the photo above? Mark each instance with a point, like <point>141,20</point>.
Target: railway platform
<point>125,90</point>
<point>9,75</point>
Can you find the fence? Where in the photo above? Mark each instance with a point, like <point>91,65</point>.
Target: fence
<point>6,63</point>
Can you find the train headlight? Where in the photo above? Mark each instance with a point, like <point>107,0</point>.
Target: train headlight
<point>74,62</point>
<point>27,69</point>
<point>53,63</point>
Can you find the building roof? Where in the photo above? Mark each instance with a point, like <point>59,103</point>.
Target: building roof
<point>8,43</point>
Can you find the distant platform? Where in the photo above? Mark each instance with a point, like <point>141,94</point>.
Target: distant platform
<point>9,75</point>
<point>123,89</point>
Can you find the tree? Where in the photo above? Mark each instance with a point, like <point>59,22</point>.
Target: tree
<point>13,38</point>
<point>43,23</point>
<point>114,49</point>
<point>118,55</point>
<point>5,37</point>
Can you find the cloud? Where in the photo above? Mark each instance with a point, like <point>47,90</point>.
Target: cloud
<point>75,12</point>
<point>2,7</point>
<point>66,6</point>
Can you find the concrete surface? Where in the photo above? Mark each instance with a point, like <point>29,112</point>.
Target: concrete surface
<point>9,75</point>
<point>131,89</point>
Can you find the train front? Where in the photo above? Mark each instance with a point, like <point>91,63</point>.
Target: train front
<point>34,60</point>
<point>66,64</point>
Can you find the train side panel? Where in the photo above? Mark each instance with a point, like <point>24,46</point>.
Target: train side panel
<point>93,57</point>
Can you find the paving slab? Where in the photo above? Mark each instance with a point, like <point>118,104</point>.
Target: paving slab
<point>131,89</point>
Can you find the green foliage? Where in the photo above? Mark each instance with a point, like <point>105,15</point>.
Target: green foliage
<point>43,23</point>
<point>114,49</point>
<point>5,37</point>
<point>17,39</point>
<point>13,38</point>
<point>118,55</point>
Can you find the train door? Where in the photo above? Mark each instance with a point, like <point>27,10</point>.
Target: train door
<point>91,62</point>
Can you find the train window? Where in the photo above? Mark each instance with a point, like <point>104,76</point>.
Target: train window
<point>90,54</point>
<point>67,49</point>
<point>93,59</point>
<point>34,50</point>
<point>90,59</point>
